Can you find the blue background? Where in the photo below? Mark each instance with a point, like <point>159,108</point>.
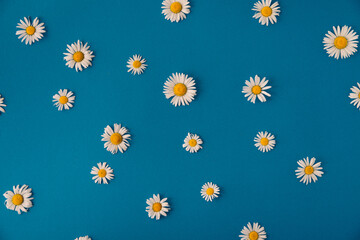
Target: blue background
<point>221,46</point>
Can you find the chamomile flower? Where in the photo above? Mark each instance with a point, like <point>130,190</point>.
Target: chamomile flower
<point>192,143</point>
<point>30,32</point>
<point>19,199</point>
<point>102,173</point>
<point>2,104</point>
<point>265,11</point>
<point>83,238</point>
<point>175,10</point>
<point>264,141</point>
<point>78,56</point>
<point>157,207</point>
<point>181,88</point>
<point>253,232</point>
<point>256,88</point>
<point>355,96</point>
<point>136,64</point>
<point>342,42</point>
<point>117,139</point>
<point>209,191</point>
<point>308,170</point>
<point>64,99</point>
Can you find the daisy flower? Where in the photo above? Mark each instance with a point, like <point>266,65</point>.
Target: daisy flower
<point>342,42</point>
<point>256,88</point>
<point>157,207</point>
<point>308,171</point>
<point>136,64</point>
<point>181,88</point>
<point>192,143</point>
<point>78,56</point>
<point>175,10</point>
<point>264,141</point>
<point>355,95</point>
<point>116,139</point>
<point>19,199</point>
<point>209,191</point>
<point>265,11</point>
<point>83,238</point>
<point>2,104</point>
<point>253,232</point>
<point>102,173</point>
<point>30,32</point>
<point>64,99</point>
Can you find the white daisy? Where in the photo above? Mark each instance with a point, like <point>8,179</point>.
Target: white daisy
<point>342,42</point>
<point>253,232</point>
<point>355,95</point>
<point>102,173</point>
<point>2,104</point>
<point>83,238</point>
<point>175,10</point>
<point>209,191</point>
<point>136,64</point>
<point>308,171</point>
<point>264,141</point>
<point>116,139</point>
<point>157,206</point>
<point>30,32</point>
<point>192,143</point>
<point>266,11</point>
<point>256,88</point>
<point>19,199</point>
<point>78,56</point>
<point>64,99</point>
<point>181,88</point>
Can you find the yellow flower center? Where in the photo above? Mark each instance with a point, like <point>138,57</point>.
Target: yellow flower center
<point>256,89</point>
<point>63,99</point>
<point>266,11</point>
<point>264,141</point>
<point>136,64</point>
<point>192,142</point>
<point>340,42</point>
<point>78,56</point>
<point>309,170</point>
<point>102,173</point>
<point>359,95</point>
<point>210,191</point>
<point>176,7</point>
<point>17,199</point>
<point>253,235</point>
<point>116,138</point>
<point>180,89</point>
<point>156,207</point>
<point>30,30</point>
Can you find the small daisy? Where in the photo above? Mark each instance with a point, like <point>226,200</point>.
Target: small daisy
<point>253,232</point>
<point>20,199</point>
<point>175,10</point>
<point>342,42</point>
<point>264,141</point>
<point>2,104</point>
<point>116,139</point>
<point>181,88</point>
<point>157,207</point>
<point>209,191</point>
<point>355,95</point>
<point>64,99</point>
<point>78,56</point>
<point>256,88</point>
<point>308,171</point>
<point>102,173</point>
<point>265,11</point>
<point>30,32</point>
<point>83,238</point>
<point>192,143</point>
<point>136,64</point>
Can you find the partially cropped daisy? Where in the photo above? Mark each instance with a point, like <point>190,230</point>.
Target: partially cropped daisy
<point>256,88</point>
<point>83,238</point>
<point>157,207</point>
<point>192,143</point>
<point>2,104</point>
<point>175,10</point>
<point>253,232</point>
<point>342,42</point>
<point>102,173</point>
<point>308,170</point>
<point>181,88</point>
<point>265,11</point>
<point>209,191</point>
<point>19,199</point>
<point>355,96</point>
<point>136,64</point>
<point>78,56</point>
<point>64,99</point>
<point>116,139</point>
<point>264,141</point>
<point>30,32</point>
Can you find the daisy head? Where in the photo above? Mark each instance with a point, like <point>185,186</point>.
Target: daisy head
<point>264,141</point>
<point>354,95</point>
<point>256,89</point>
<point>157,207</point>
<point>2,104</point>
<point>102,173</point>
<point>136,64</point>
<point>308,171</point>
<point>209,191</point>
<point>117,139</point>
<point>342,42</point>
<point>181,88</point>
<point>192,143</point>
<point>78,55</point>
<point>64,99</point>
<point>265,11</point>
<point>83,238</point>
<point>253,232</point>
<point>175,10</point>
<point>19,199</point>
<point>30,31</point>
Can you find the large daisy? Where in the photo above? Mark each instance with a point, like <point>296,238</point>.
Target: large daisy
<point>264,141</point>
<point>175,10</point>
<point>78,56</point>
<point>181,88</point>
<point>256,88</point>
<point>30,32</point>
<point>2,104</point>
<point>355,96</point>
<point>116,139</point>
<point>157,207</point>
<point>253,232</point>
<point>136,64</point>
<point>209,191</point>
<point>342,42</point>
<point>19,199</point>
<point>64,99</point>
<point>265,11</point>
<point>102,173</point>
<point>83,238</point>
<point>308,170</point>
<point>192,143</point>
